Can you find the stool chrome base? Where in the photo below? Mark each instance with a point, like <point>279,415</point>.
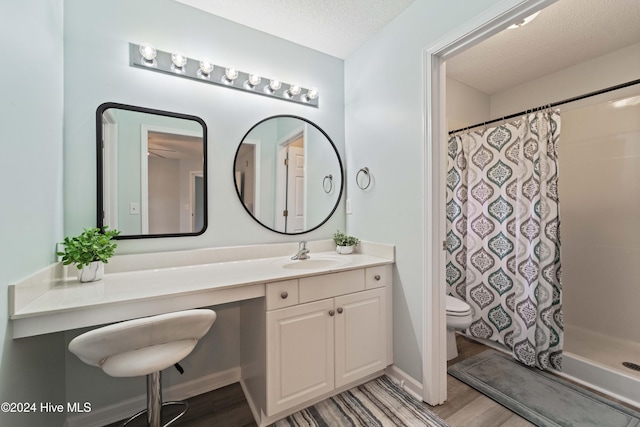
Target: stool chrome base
<point>155,404</point>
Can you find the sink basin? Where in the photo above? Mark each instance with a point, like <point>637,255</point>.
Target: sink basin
<point>314,263</point>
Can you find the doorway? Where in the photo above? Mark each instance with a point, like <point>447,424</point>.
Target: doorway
<point>197,201</point>
<point>494,20</point>
<point>290,183</point>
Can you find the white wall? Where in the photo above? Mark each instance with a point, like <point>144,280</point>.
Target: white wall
<point>384,129</point>
<point>608,70</point>
<point>466,106</point>
<point>599,156</point>
<point>31,100</point>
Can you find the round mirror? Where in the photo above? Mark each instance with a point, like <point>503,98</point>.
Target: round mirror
<point>288,174</point>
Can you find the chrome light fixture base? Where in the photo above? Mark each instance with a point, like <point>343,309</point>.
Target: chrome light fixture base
<point>163,63</point>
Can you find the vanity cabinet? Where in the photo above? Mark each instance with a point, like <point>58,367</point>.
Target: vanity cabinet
<point>360,335</point>
<point>332,330</point>
<point>300,354</point>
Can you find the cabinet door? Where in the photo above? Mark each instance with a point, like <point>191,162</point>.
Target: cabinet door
<point>300,363</point>
<point>361,335</point>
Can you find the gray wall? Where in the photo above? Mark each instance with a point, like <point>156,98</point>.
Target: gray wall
<point>31,102</point>
<point>384,109</point>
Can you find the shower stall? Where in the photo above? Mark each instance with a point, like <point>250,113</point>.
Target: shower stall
<point>599,187</point>
<point>599,198</point>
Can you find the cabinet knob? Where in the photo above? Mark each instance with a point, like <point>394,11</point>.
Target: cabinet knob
<point>377,277</point>
<point>340,310</point>
<point>331,313</point>
<point>284,295</point>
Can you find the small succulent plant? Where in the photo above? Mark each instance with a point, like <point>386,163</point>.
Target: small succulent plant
<point>342,239</point>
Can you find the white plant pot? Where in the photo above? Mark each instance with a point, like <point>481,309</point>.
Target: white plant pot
<point>344,250</point>
<point>92,272</point>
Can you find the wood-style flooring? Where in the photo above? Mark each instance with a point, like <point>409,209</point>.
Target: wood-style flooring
<point>465,407</point>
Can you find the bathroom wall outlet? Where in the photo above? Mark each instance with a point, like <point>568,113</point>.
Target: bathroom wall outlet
<point>134,208</point>
<point>348,206</point>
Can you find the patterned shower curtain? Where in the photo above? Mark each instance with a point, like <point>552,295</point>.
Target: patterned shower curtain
<point>503,235</point>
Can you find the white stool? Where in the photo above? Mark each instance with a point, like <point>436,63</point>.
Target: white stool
<point>145,346</point>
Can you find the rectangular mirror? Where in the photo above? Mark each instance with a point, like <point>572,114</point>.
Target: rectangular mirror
<point>152,172</point>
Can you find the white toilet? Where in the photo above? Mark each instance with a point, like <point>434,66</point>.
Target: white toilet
<point>458,318</point>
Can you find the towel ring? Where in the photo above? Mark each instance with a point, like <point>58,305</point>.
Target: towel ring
<point>364,170</point>
<point>327,179</point>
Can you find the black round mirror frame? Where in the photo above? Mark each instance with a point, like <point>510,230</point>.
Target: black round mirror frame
<point>333,146</point>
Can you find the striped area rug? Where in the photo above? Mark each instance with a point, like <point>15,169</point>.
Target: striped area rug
<point>377,403</point>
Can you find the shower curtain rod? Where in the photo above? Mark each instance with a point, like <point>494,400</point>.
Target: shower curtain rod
<point>555,104</point>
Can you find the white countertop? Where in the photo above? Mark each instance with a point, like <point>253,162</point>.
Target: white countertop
<point>148,284</point>
<point>69,304</point>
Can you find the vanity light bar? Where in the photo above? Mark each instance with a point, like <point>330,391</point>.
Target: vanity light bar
<point>176,64</point>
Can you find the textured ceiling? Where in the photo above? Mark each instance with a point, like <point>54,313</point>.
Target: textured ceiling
<point>564,34</point>
<point>335,27</point>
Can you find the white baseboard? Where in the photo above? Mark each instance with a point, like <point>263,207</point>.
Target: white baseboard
<point>407,382</point>
<point>182,391</point>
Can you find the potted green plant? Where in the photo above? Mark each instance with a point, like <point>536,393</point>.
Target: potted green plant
<point>89,252</point>
<point>344,243</point>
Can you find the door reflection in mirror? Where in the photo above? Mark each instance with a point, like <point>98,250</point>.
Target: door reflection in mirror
<point>279,173</point>
<point>151,172</point>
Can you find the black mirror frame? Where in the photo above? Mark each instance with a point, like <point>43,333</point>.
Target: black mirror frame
<point>100,172</point>
<point>342,180</point>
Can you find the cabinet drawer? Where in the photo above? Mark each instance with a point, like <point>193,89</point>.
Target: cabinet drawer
<point>282,294</point>
<point>330,285</point>
<point>376,277</point>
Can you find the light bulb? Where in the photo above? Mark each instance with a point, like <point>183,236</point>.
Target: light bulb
<point>311,94</point>
<point>206,68</point>
<point>179,60</point>
<point>148,53</point>
<point>292,91</point>
<point>275,84</point>
<point>272,87</point>
<point>230,74</point>
<point>252,81</point>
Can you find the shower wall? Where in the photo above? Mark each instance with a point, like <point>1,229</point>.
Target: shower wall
<point>599,190</point>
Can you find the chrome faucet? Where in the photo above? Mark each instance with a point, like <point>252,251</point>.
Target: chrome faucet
<point>303,252</point>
